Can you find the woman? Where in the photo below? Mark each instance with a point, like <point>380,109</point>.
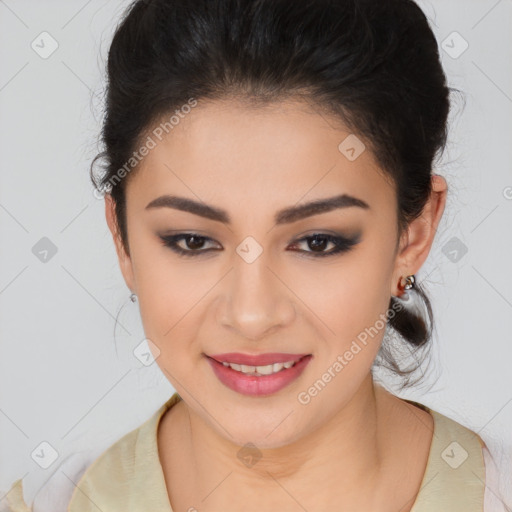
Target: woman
<point>270,194</point>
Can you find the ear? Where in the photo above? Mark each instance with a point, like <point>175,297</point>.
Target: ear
<point>125,262</point>
<point>419,236</point>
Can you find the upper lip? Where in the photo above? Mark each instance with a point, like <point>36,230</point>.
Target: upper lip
<point>256,360</point>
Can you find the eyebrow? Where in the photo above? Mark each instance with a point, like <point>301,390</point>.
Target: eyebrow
<point>284,216</point>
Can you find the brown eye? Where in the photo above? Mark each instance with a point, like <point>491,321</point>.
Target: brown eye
<point>192,246</point>
<point>194,242</point>
<point>318,242</point>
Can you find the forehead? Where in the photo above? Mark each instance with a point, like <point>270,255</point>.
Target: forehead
<point>238,156</point>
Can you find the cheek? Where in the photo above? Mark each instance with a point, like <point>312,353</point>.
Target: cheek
<point>346,297</point>
<point>170,313</point>
<point>347,303</point>
<point>348,307</point>
<point>170,293</point>
<point>170,305</point>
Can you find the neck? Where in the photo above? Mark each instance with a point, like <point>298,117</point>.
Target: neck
<point>345,454</point>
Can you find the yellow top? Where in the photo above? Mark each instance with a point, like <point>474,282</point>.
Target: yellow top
<point>128,475</point>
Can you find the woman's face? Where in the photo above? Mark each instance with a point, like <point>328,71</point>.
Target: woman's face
<point>255,284</point>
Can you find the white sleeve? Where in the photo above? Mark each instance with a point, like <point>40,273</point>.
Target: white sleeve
<point>494,501</point>
<point>54,494</point>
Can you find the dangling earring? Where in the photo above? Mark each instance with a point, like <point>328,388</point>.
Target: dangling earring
<point>408,285</point>
<point>133,297</point>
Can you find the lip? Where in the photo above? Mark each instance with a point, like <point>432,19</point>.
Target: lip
<point>256,360</point>
<point>253,385</point>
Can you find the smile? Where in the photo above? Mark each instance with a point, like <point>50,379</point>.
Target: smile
<point>252,380</point>
<point>259,371</point>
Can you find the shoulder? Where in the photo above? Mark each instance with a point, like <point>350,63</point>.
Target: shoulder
<point>455,472</point>
<point>26,495</point>
<point>126,471</point>
<point>87,480</point>
<point>467,473</point>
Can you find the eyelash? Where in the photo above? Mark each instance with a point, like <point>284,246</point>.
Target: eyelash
<point>342,244</point>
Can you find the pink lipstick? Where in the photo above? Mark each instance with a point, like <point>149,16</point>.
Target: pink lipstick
<point>258,375</point>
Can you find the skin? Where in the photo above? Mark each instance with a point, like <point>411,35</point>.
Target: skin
<point>362,447</point>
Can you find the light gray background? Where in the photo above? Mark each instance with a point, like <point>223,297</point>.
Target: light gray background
<point>61,380</point>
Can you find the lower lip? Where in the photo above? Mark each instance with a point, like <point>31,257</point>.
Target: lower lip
<point>257,386</point>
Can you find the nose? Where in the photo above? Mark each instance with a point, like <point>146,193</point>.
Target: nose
<point>256,300</point>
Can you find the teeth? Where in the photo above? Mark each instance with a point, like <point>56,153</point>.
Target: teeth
<point>260,370</point>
